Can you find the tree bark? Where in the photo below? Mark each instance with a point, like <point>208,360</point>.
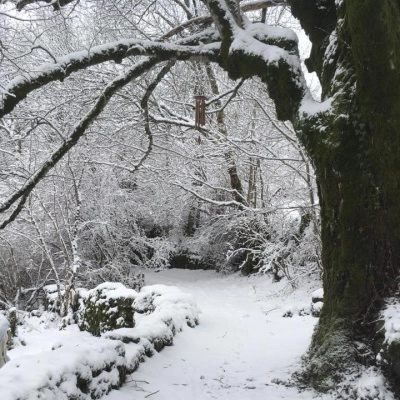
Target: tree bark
<point>356,155</point>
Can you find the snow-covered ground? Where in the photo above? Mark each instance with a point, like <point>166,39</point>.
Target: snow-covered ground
<point>242,349</point>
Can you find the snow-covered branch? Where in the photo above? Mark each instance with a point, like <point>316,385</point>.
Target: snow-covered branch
<point>19,87</point>
<point>271,53</point>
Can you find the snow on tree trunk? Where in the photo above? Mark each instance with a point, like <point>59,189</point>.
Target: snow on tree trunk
<point>4,329</point>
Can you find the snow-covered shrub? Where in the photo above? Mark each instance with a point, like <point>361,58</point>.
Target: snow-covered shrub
<point>160,253</point>
<point>184,258</point>
<point>290,250</point>
<point>278,244</point>
<point>212,245</point>
<point>107,307</point>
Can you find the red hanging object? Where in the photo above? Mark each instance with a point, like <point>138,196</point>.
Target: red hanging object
<point>200,111</point>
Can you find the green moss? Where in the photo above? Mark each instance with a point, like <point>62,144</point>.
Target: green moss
<point>280,78</point>
<point>329,358</point>
<point>101,313</point>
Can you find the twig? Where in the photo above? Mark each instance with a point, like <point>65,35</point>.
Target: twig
<point>272,309</point>
<point>151,394</point>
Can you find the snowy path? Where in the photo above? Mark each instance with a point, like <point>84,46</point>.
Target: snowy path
<point>240,347</point>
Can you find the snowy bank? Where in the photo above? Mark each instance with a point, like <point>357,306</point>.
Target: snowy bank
<point>83,369</point>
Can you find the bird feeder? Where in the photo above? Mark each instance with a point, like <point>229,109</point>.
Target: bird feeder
<point>200,111</point>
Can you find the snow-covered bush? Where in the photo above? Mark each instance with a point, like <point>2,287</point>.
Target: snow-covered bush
<point>317,301</point>
<point>107,307</point>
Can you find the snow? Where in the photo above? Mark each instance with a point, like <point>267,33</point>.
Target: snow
<point>53,362</point>
<point>318,294</point>
<point>241,349</point>
<point>111,290</point>
<point>261,30</point>
<point>371,385</point>
<point>310,107</point>
<point>53,373</point>
<point>391,316</point>
<point>4,326</point>
<point>244,41</point>
<point>164,310</point>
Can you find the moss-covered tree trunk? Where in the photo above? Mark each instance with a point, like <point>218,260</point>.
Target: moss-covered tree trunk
<point>356,154</point>
<point>354,143</point>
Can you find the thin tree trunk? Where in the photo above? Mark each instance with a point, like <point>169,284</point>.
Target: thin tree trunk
<point>236,183</point>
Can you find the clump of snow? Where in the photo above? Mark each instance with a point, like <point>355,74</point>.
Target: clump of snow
<point>113,290</point>
<point>317,295</point>
<point>310,107</point>
<point>317,298</point>
<point>316,308</point>
<point>391,317</point>
<point>4,326</point>
<point>372,385</point>
<point>260,30</point>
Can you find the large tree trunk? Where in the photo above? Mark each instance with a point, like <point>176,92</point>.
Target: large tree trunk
<point>357,162</point>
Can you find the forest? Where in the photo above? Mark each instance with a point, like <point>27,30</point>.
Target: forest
<point>199,144</point>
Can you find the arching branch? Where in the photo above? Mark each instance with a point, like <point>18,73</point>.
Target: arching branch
<point>19,88</point>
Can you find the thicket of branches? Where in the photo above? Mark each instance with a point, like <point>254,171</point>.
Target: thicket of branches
<point>142,188</point>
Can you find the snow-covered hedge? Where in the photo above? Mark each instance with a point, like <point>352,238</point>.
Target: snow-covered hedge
<point>87,367</point>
